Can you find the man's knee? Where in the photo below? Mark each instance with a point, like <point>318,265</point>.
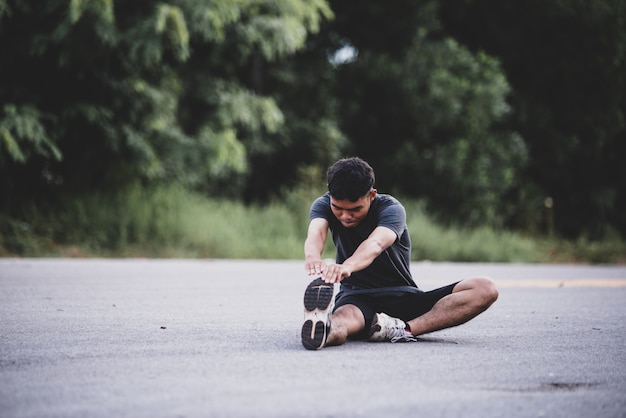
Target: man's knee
<point>345,321</point>
<point>483,289</point>
<point>487,291</point>
<point>350,315</point>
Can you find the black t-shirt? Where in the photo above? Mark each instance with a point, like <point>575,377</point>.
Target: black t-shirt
<point>392,267</point>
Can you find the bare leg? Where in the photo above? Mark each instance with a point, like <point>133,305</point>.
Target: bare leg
<point>468,299</point>
<point>346,320</point>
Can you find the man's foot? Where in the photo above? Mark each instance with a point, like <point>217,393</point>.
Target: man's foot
<point>387,328</point>
<point>319,299</point>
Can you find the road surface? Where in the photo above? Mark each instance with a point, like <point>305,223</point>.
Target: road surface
<point>220,338</point>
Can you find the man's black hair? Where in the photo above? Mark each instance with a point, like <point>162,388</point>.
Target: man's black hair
<point>350,178</point>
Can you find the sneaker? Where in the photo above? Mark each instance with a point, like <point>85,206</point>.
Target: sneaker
<point>319,299</point>
<point>387,328</point>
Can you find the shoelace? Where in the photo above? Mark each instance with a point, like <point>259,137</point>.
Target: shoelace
<point>397,333</point>
<point>405,337</point>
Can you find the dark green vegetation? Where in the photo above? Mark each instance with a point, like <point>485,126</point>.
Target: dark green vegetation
<point>498,119</point>
<point>173,222</point>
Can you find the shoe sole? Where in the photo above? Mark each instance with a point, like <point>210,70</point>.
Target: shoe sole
<point>319,299</point>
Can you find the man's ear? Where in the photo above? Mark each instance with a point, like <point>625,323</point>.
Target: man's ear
<point>373,194</point>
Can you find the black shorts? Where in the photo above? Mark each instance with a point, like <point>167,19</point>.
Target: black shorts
<point>406,304</point>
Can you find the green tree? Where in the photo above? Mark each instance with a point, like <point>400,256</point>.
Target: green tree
<point>97,94</point>
<point>566,62</point>
<point>426,112</point>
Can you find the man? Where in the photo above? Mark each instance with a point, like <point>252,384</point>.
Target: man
<point>378,299</point>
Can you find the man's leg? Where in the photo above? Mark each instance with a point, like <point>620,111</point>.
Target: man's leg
<point>469,298</point>
<point>346,320</point>
<point>323,326</point>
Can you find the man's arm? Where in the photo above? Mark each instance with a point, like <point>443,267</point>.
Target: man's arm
<point>377,242</point>
<point>314,246</point>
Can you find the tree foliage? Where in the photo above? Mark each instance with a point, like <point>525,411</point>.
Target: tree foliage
<point>566,62</point>
<point>482,109</point>
<point>102,93</point>
<point>428,113</point>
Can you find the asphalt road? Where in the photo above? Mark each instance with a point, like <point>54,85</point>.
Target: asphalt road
<point>220,338</point>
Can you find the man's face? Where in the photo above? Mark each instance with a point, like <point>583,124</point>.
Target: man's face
<point>350,214</point>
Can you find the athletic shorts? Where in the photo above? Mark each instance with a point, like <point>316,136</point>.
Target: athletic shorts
<point>405,303</point>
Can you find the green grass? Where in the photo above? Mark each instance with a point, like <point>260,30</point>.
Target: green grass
<point>172,222</point>
<point>436,243</point>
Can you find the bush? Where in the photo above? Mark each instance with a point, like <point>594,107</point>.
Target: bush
<point>171,222</point>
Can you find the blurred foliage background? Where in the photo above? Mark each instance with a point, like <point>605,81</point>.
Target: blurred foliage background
<point>501,115</point>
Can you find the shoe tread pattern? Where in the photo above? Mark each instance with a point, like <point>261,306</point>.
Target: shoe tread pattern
<point>318,300</point>
<point>313,340</point>
<point>318,295</point>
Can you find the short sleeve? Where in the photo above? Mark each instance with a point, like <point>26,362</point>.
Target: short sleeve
<point>393,216</point>
<point>321,208</point>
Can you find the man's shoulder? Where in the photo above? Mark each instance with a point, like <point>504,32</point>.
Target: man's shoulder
<point>385,200</point>
<point>321,206</point>
<point>384,197</point>
<point>323,198</point>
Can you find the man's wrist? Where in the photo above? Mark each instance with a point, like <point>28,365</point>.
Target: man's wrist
<point>349,266</point>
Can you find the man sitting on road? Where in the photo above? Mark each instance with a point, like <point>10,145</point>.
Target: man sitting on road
<point>378,299</point>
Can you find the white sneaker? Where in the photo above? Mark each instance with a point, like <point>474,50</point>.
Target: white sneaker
<point>319,300</point>
<point>387,328</point>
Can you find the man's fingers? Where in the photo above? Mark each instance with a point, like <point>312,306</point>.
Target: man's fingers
<point>316,268</point>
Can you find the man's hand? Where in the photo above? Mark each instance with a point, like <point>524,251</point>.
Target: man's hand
<point>314,267</point>
<point>330,273</point>
<point>335,273</point>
